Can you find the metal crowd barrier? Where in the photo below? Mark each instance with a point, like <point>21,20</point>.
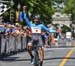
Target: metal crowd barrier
<point>12,43</point>
<point>64,43</point>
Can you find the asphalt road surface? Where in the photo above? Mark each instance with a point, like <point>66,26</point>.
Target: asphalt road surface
<point>53,57</point>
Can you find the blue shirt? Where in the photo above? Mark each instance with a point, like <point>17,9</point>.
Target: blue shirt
<point>20,16</point>
<point>33,25</point>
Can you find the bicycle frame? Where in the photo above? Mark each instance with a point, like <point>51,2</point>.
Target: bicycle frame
<point>36,56</point>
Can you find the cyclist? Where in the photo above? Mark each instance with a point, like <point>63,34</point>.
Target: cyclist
<point>37,25</point>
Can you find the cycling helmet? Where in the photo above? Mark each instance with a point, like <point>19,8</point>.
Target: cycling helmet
<point>36,17</point>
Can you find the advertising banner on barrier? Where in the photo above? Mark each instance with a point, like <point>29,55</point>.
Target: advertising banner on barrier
<point>68,34</point>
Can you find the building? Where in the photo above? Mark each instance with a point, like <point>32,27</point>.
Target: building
<point>61,19</point>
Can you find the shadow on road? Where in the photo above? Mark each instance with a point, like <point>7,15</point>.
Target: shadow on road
<point>12,59</point>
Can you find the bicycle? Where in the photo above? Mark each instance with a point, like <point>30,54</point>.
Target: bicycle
<point>36,56</point>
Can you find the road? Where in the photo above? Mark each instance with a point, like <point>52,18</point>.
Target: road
<point>53,57</point>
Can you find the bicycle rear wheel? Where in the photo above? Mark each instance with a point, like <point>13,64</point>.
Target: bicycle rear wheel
<point>36,58</point>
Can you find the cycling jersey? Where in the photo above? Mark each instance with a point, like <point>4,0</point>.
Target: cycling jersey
<point>33,25</point>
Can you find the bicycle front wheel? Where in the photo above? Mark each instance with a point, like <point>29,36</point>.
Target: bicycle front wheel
<point>36,58</point>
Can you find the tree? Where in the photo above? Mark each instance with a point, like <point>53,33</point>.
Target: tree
<point>41,7</point>
<point>70,8</point>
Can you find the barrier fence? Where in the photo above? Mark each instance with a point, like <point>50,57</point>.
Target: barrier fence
<point>11,43</point>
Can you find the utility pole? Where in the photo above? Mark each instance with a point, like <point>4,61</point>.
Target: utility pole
<point>1,18</point>
<point>12,12</point>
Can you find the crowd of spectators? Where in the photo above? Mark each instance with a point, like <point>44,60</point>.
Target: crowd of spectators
<point>17,29</point>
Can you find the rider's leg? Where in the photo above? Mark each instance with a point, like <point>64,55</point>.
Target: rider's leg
<point>41,55</point>
<point>30,52</point>
<point>30,49</point>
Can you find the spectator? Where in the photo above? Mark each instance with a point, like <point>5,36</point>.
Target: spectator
<point>46,40</point>
<point>52,40</point>
<point>21,17</point>
<point>24,30</point>
<point>1,28</point>
<point>9,29</point>
<point>18,12</point>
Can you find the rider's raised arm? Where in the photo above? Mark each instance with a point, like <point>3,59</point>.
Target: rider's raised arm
<point>27,20</point>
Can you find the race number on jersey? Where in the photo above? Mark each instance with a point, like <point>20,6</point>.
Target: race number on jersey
<point>36,30</point>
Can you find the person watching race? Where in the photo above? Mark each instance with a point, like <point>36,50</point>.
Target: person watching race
<point>35,25</point>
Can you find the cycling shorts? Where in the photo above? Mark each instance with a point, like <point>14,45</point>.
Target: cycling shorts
<point>39,37</point>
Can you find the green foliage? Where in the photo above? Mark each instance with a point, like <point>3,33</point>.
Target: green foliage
<point>65,29</point>
<point>41,7</point>
<point>6,16</point>
<point>59,1</point>
<point>70,8</point>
